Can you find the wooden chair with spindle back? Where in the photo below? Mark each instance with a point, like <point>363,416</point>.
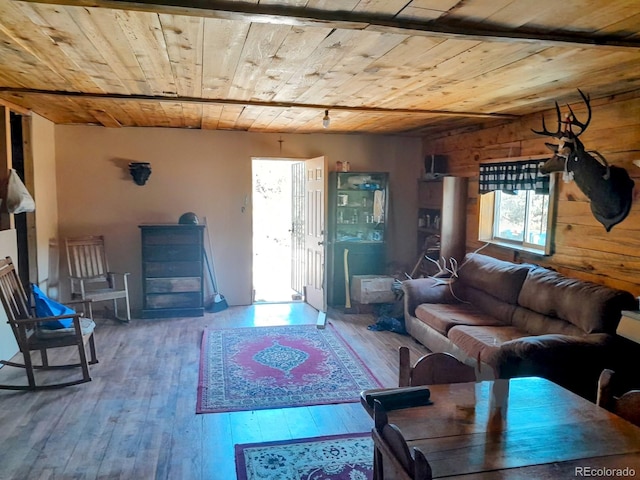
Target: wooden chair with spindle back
<point>90,276</point>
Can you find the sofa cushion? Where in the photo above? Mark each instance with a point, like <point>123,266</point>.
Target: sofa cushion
<point>592,307</point>
<point>536,323</point>
<point>442,317</point>
<point>501,279</point>
<point>425,290</point>
<point>487,303</point>
<point>483,342</point>
<point>87,326</point>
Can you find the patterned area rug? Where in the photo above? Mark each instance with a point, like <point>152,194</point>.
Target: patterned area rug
<point>275,367</point>
<point>342,457</point>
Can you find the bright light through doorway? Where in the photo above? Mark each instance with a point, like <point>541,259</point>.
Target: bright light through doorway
<point>272,222</point>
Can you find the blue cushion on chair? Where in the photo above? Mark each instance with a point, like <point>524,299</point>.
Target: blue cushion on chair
<point>45,307</point>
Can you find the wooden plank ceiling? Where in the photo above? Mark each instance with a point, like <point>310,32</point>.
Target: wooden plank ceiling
<point>379,66</point>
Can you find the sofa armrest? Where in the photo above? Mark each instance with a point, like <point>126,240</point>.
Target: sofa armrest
<point>425,290</point>
<point>572,361</point>
<point>553,347</point>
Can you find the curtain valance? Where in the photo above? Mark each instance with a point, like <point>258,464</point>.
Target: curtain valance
<point>512,176</point>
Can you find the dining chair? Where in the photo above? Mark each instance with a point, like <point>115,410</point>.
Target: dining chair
<point>393,460</point>
<point>31,335</point>
<point>432,369</point>
<point>90,276</point>
<point>626,406</point>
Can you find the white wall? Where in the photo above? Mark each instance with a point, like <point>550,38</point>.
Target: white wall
<point>9,248</point>
<point>45,197</point>
<point>209,173</point>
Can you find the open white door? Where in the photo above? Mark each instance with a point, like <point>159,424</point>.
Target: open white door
<point>298,252</point>
<point>315,235</point>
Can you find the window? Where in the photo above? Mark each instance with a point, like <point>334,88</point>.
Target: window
<point>515,206</point>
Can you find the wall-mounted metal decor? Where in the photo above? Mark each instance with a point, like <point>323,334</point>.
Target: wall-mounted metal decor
<point>140,171</point>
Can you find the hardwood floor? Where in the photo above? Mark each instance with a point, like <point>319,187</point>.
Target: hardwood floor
<point>137,420</point>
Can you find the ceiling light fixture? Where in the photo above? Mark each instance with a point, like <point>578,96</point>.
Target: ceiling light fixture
<point>326,121</point>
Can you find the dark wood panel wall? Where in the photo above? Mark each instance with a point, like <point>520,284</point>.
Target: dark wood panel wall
<point>582,247</point>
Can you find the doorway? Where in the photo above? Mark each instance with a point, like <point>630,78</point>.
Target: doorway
<point>277,225</point>
<point>21,221</point>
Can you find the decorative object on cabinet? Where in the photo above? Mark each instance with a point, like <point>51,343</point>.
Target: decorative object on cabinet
<point>358,206</point>
<point>172,270</point>
<point>188,218</point>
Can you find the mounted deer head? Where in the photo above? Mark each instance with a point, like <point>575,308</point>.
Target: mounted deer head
<point>608,187</point>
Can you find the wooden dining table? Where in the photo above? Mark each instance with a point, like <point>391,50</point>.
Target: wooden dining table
<point>522,428</point>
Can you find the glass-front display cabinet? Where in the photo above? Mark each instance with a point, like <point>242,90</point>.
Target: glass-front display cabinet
<point>358,216</point>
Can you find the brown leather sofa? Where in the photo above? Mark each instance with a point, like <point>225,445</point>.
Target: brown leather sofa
<point>511,320</point>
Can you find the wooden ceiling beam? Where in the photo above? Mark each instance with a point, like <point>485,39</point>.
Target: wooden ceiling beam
<point>15,108</point>
<point>349,20</point>
<point>105,119</point>
<point>246,103</point>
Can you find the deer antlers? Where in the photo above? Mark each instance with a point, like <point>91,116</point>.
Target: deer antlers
<point>546,132</point>
<point>569,122</point>
<point>445,275</point>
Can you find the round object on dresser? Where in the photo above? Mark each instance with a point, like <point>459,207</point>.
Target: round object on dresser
<point>188,218</point>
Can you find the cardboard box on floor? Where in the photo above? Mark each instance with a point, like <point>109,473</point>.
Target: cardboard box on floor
<point>372,289</point>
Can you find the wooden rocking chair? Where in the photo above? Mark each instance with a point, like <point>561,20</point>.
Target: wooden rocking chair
<point>90,276</point>
<point>31,336</point>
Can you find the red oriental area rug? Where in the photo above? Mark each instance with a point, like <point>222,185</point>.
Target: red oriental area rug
<point>340,457</point>
<point>275,367</point>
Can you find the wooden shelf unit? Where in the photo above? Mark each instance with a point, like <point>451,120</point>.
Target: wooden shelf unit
<point>358,218</point>
<point>441,220</point>
<point>429,218</point>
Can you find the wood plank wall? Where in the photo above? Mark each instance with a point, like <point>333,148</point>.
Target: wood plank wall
<point>582,249</point>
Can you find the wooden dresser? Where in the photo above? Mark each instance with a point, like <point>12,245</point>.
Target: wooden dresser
<point>172,270</point>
